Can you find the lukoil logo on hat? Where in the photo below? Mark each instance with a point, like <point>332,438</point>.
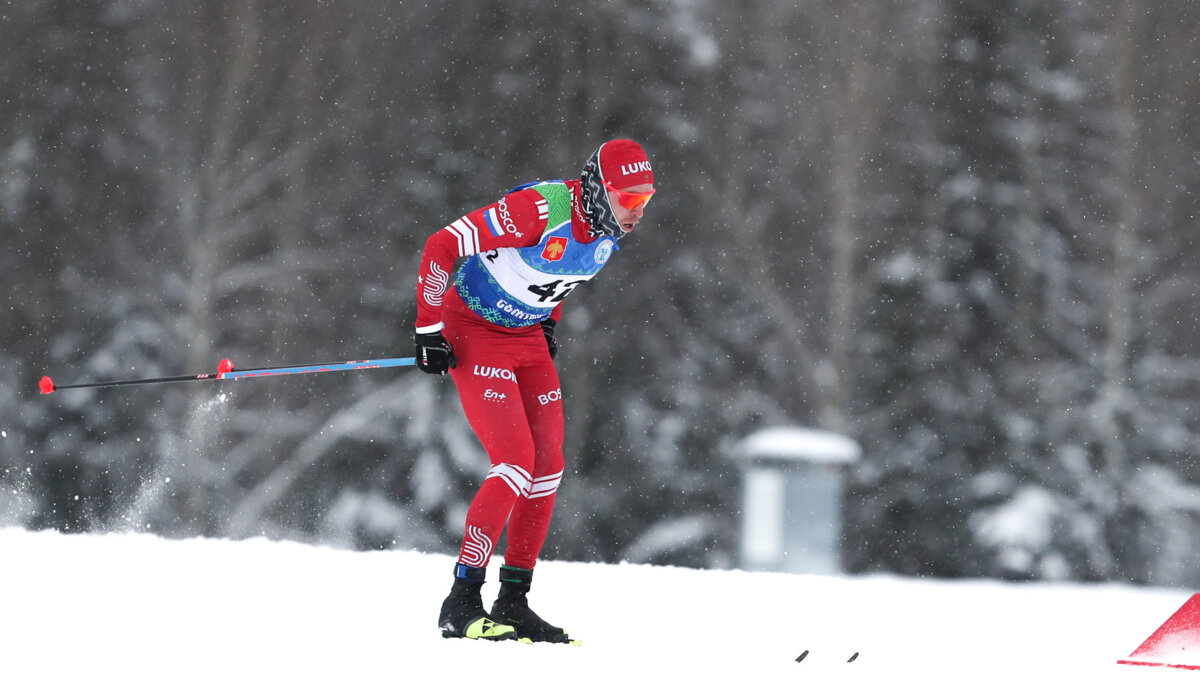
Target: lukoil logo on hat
<point>624,164</point>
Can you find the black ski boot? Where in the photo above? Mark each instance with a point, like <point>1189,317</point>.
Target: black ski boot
<point>512,608</point>
<point>462,614</point>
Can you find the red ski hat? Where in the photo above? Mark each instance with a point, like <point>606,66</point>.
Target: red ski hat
<point>624,164</point>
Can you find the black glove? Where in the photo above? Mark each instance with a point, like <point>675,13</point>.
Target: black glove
<point>548,330</point>
<point>434,353</point>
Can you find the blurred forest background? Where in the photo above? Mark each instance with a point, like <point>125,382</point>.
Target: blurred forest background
<point>960,232</point>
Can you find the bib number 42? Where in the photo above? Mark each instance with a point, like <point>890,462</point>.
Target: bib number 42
<point>554,291</point>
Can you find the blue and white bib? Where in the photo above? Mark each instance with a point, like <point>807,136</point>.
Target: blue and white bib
<point>518,287</point>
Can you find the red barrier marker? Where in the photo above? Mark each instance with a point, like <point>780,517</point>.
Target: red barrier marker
<point>1176,643</point>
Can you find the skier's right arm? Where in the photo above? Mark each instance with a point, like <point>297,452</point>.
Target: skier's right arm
<point>515,220</point>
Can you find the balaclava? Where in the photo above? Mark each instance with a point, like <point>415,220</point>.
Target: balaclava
<point>623,163</point>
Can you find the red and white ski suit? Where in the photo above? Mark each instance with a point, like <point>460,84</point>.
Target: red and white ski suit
<point>505,377</point>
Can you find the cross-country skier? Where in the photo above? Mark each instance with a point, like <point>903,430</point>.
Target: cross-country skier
<point>490,324</point>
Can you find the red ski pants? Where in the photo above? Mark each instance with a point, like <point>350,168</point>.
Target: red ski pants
<point>511,395</point>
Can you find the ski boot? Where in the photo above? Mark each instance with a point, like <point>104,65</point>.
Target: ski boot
<point>512,609</point>
<point>462,614</point>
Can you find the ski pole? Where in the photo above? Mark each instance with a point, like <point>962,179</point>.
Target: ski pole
<point>226,371</point>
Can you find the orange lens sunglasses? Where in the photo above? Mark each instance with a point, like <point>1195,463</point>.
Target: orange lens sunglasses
<point>630,200</point>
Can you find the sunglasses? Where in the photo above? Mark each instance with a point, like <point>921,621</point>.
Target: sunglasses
<point>630,200</point>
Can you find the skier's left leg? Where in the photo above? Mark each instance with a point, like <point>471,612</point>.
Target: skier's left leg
<point>530,519</point>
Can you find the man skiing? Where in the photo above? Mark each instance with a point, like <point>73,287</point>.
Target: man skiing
<point>490,324</point>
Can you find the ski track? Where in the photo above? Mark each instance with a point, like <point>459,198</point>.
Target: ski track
<point>135,612</point>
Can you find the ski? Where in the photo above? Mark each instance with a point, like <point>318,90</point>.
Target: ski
<point>530,641</point>
<point>804,655</point>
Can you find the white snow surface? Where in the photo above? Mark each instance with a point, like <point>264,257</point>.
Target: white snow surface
<point>129,612</point>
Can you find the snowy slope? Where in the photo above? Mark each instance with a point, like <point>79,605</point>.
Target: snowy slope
<point>140,613</point>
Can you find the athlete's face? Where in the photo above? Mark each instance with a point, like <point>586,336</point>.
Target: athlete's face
<point>628,217</point>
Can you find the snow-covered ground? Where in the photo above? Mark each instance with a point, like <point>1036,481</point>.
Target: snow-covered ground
<point>140,613</point>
